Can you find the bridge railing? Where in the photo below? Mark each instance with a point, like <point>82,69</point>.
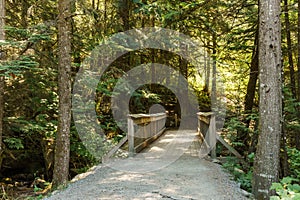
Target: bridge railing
<point>143,129</point>
<point>207,131</point>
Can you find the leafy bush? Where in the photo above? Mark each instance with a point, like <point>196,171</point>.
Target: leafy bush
<point>14,143</point>
<point>286,189</point>
<point>231,128</point>
<point>243,178</point>
<point>294,161</point>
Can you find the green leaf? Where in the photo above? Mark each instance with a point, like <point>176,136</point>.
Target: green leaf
<point>274,198</point>
<point>276,186</point>
<point>288,180</point>
<point>294,187</point>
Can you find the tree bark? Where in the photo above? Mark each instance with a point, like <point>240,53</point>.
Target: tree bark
<point>62,148</point>
<point>266,165</point>
<point>298,75</point>
<point>207,70</point>
<point>249,99</point>
<point>284,155</point>
<point>298,64</point>
<point>124,12</point>
<point>291,67</point>
<point>289,49</point>
<point>25,6</point>
<point>2,83</point>
<point>243,136</point>
<point>214,72</point>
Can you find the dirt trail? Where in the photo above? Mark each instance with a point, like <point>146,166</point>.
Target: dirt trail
<point>189,177</point>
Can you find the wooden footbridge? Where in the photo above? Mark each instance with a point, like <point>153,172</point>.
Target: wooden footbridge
<point>143,129</point>
<point>157,172</point>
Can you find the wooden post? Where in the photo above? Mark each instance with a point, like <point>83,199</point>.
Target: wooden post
<point>130,136</point>
<point>144,131</point>
<point>212,136</point>
<point>209,118</point>
<point>156,126</point>
<point>198,120</point>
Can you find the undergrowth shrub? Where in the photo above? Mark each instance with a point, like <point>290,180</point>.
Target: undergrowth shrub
<point>288,188</point>
<point>240,176</point>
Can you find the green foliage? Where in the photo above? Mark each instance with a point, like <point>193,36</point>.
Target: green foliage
<point>243,178</point>
<point>34,34</point>
<point>204,100</point>
<point>36,188</point>
<point>20,40</point>
<point>17,66</point>
<point>232,126</point>
<point>292,122</point>
<point>236,125</point>
<point>31,48</point>
<point>81,158</point>
<point>287,189</point>
<point>251,157</point>
<point>41,126</point>
<point>39,197</point>
<point>14,143</point>
<point>294,161</point>
<point>142,99</point>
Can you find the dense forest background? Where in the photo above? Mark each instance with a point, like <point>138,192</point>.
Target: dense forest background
<point>228,30</point>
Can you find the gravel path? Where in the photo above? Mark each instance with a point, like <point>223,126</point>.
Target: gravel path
<point>187,178</point>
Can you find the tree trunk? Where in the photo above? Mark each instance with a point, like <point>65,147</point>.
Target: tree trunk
<point>214,72</point>
<point>124,12</point>
<point>25,6</point>
<point>62,148</point>
<point>249,99</point>
<point>266,165</point>
<point>105,31</point>
<point>207,70</point>
<point>2,83</point>
<point>289,48</point>
<point>291,67</point>
<point>242,135</point>
<point>298,74</point>
<point>123,7</point>
<point>284,155</point>
<point>298,64</point>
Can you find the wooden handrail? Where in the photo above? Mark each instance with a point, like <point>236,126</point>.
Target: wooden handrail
<point>151,126</point>
<point>209,119</point>
<point>207,130</point>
